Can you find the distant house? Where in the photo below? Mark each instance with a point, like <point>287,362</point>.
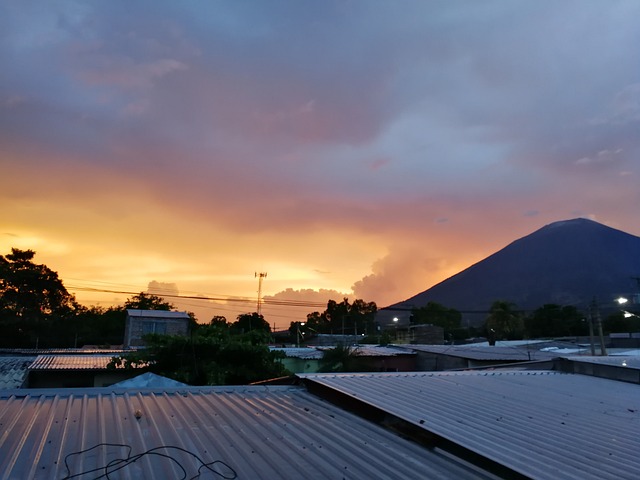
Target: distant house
<point>452,357</point>
<point>300,360</point>
<point>143,322</point>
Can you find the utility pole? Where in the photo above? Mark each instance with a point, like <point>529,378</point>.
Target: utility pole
<point>596,312</point>
<point>636,297</point>
<point>593,347</point>
<point>260,276</point>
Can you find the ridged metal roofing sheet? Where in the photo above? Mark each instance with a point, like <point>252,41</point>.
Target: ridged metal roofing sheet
<point>71,362</point>
<point>259,432</point>
<point>545,425</point>
<point>305,353</point>
<point>485,353</point>
<point>157,314</point>
<point>380,351</point>
<point>631,361</point>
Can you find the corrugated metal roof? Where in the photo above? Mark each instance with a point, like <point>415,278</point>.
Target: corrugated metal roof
<point>317,352</point>
<point>64,351</point>
<point>509,343</point>
<point>616,361</point>
<point>156,314</point>
<point>624,352</point>
<point>380,351</point>
<point>545,425</point>
<point>259,432</point>
<point>305,353</point>
<point>71,362</point>
<point>485,353</point>
<point>373,350</point>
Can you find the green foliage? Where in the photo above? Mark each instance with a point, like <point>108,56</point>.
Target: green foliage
<point>317,322</point>
<point>206,359</point>
<point>504,322</point>
<point>148,301</point>
<point>252,324</point>
<point>338,318</point>
<point>436,314</point>
<point>94,326</point>
<point>34,304</point>
<point>618,323</point>
<point>555,321</point>
<point>342,358</point>
<point>350,319</point>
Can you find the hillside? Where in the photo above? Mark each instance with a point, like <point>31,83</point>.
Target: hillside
<point>568,262</point>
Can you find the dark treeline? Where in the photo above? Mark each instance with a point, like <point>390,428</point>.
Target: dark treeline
<point>36,310</point>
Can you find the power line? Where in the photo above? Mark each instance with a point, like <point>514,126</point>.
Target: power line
<point>232,299</point>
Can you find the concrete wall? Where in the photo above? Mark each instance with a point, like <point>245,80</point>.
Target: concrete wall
<point>612,372</point>
<point>77,378</point>
<point>135,328</point>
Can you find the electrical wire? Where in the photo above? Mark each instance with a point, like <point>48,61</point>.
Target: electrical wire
<point>264,301</point>
<point>120,463</point>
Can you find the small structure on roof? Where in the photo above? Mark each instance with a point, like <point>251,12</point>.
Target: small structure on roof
<point>149,380</point>
<point>300,359</point>
<point>143,322</point>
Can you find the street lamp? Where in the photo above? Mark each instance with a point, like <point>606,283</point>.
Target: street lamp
<point>395,322</point>
<point>298,334</point>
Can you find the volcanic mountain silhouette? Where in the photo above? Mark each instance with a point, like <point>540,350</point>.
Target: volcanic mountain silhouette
<point>570,262</point>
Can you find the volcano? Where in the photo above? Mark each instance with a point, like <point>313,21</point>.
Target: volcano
<point>572,262</point>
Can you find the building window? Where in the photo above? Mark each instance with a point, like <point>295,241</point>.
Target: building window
<point>159,328</point>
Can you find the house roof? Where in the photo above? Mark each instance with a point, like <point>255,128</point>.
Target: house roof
<point>63,351</point>
<point>305,353</point>
<point>71,362</point>
<point>310,353</point>
<point>543,425</point>
<point>157,314</point>
<point>485,353</point>
<point>257,432</point>
<point>380,351</point>
<point>13,371</point>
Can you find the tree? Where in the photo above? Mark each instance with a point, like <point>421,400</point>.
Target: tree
<point>252,328</point>
<point>317,323</point>
<point>553,320</point>
<point>342,358</point>
<point>34,303</point>
<point>436,314</point>
<point>94,326</point>
<point>503,321</point>
<point>618,322</point>
<point>351,319</point>
<point>205,359</point>
<point>148,301</point>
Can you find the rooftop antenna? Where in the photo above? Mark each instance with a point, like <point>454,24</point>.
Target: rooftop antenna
<point>260,276</point>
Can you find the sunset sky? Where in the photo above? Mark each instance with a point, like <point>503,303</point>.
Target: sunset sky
<point>362,148</point>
